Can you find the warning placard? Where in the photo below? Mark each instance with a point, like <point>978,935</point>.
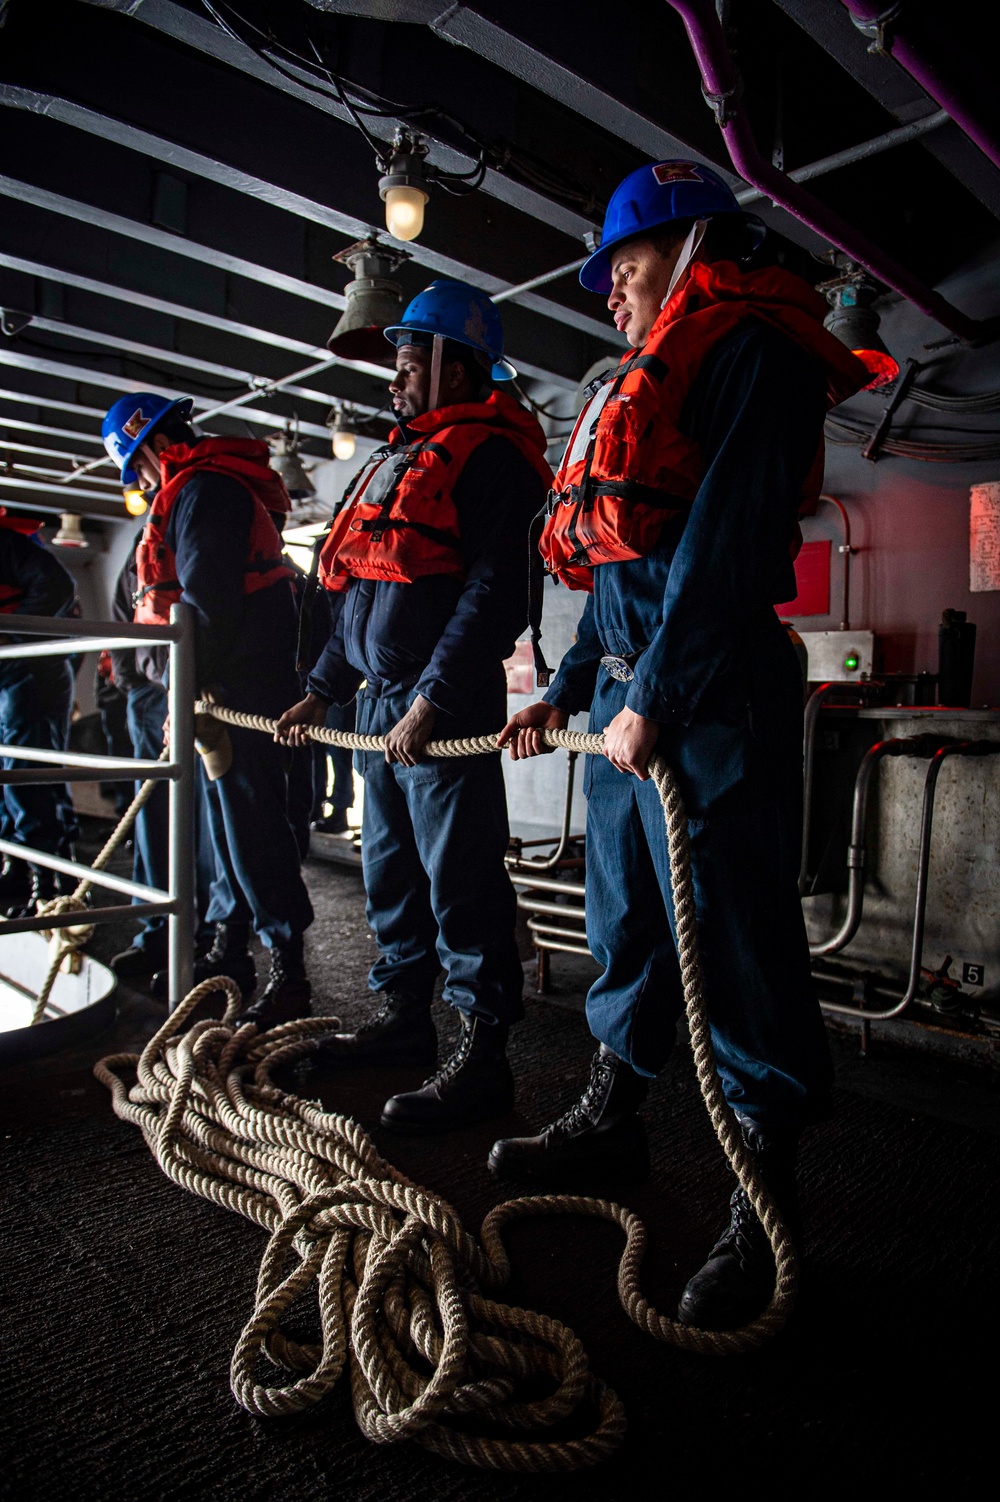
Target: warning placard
<point>984,537</point>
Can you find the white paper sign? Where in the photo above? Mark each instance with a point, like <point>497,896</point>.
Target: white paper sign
<point>984,537</point>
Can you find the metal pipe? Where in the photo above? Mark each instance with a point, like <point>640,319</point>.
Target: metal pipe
<point>921,745</point>
<point>180,706</point>
<point>809,726</point>
<point>538,281</point>
<point>269,386</point>
<point>19,650</point>
<point>885,26</point>
<point>956,748</point>
<point>722,87</point>
<point>548,884</point>
<point>557,944</point>
<point>846,552</point>
<point>859,153</point>
<point>73,868</point>
<point>551,909</point>
<point>75,502</point>
<point>550,862</point>
<point>552,931</point>
<point>61,626</point>
<point>27,777</point>
<point>93,915</point>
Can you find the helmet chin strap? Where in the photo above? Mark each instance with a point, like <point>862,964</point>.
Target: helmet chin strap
<point>434,386</point>
<point>687,254</point>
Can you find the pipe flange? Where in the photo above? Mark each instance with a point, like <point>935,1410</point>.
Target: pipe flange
<point>878,29</point>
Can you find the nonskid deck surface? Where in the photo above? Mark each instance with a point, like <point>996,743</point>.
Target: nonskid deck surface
<point>123,1295</point>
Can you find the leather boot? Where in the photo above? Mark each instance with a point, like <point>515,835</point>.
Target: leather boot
<point>399,1032</point>
<point>228,956</point>
<point>736,1282</point>
<point>287,995</point>
<point>15,884</point>
<point>473,1084</point>
<point>599,1137</point>
<point>43,885</point>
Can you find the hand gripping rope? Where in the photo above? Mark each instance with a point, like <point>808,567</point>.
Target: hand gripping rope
<point>404,1291</point>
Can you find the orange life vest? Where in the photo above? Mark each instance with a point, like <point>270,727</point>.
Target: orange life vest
<point>10,598</point>
<point>628,469</point>
<point>243,459</point>
<point>398,520</point>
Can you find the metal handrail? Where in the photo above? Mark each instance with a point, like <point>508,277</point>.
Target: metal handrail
<point>62,638</point>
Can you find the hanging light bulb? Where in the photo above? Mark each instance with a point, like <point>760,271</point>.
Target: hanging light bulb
<point>342,429</point>
<point>70,534</point>
<point>285,462</point>
<point>406,186</point>
<point>854,321</point>
<point>374,301</point>
<point>135,502</point>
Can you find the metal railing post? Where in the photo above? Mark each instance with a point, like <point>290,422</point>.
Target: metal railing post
<point>181,693</point>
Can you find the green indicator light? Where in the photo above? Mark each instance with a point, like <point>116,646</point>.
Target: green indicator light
<point>851,662</point>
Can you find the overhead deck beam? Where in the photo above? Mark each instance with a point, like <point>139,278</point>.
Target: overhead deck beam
<point>83,375</point>
<point>210,40</point>
<point>170,153</point>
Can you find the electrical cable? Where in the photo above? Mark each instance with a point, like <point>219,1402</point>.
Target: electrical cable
<point>538,407</point>
<point>358,101</point>
<point>842,431</point>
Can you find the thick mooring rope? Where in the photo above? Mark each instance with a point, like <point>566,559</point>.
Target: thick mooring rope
<point>68,941</point>
<point>403,1290</point>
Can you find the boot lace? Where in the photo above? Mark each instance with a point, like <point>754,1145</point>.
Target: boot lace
<point>581,1111</point>
<point>455,1060</point>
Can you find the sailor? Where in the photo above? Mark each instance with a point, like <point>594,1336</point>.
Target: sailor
<point>430,551</point>
<point>36,699</point>
<point>211,541</point>
<point>676,507</point>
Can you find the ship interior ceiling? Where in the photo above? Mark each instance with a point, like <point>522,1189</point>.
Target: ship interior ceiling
<point>181,182</point>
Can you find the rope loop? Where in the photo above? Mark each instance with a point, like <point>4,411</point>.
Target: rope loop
<point>401,1285</point>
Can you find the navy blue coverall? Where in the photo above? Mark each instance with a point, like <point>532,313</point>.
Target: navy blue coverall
<point>36,695</point>
<point>246,657</point>
<point>433,836</point>
<point>140,672</point>
<point>719,674</point>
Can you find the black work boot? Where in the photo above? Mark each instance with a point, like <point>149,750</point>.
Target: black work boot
<point>228,956</point>
<point>287,995</point>
<point>136,962</point>
<point>472,1085</point>
<point>43,885</point>
<point>736,1283</point>
<point>599,1137</point>
<point>15,884</point>
<point>399,1032</point>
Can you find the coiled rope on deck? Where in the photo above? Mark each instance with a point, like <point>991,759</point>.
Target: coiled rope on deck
<point>403,1289</point>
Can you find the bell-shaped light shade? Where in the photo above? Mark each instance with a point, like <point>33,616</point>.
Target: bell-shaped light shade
<point>135,502</point>
<point>70,534</point>
<point>404,211</point>
<point>343,444</point>
<point>857,327</point>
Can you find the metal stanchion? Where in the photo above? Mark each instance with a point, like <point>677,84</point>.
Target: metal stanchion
<point>180,925</point>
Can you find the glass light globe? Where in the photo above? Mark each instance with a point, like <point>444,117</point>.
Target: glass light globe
<point>343,445</point>
<point>404,212</point>
<point>135,502</point>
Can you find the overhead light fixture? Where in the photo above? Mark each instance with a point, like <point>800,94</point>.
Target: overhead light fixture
<point>343,429</point>
<point>374,301</point>
<point>70,534</point>
<point>406,186</point>
<point>854,321</point>
<point>285,461</point>
<point>135,502</point>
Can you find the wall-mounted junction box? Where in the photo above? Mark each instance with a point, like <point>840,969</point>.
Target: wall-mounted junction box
<point>839,656</point>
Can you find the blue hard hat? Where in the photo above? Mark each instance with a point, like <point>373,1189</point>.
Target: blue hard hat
<point>657,194</point>
<point>458,311</point>
<point>130,422</point>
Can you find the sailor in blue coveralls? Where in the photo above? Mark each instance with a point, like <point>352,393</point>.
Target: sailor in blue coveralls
<point>681,650</point>
<point>429,654</point>
<point>214,499</point>
<point>36,698</point>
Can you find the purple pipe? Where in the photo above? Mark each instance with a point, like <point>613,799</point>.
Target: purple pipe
<point>932,74</point>
<point>720,82</point>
